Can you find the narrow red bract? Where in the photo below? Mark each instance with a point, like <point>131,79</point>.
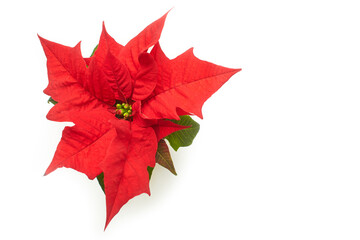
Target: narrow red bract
<point>120,100</point>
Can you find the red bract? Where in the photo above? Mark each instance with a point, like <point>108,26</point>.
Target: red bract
<point>119,100</point>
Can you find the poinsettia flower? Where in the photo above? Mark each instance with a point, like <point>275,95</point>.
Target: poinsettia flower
<point>119,100</point>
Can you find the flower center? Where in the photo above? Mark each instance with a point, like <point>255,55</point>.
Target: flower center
<point>123,111</point>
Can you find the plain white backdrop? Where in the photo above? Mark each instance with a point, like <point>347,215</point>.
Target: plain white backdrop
<point>277,155</point>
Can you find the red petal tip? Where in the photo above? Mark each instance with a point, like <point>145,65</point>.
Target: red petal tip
<point>107,223</point>
<point>41,38</point>
<point>168,11</point>
<point>47,172</point>
<point>78,45</point>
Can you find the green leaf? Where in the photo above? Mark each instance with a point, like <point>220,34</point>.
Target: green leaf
<point>150,170</point>
<point>163,157</point>
<point>184,137</point>
<point>52,101</point>
<point>100,179</point>
<point>94,51</point>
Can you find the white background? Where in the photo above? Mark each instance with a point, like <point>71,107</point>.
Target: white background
<point>277,156</point>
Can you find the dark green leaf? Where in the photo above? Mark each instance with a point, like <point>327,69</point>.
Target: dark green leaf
<point>186,136</point>
<point>163,157</point>
<point>150,170</point>
<point>94,50</point>
<point>100,179</point>
<point>52,101</point>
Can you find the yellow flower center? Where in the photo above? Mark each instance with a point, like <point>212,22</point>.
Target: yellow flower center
<point>123,111</point>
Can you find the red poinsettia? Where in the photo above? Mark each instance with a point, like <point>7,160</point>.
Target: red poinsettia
<point>121,100</point>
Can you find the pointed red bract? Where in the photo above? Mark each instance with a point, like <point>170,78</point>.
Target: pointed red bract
<point>84,146</point>
<point>81,150</point>
<point>107,44</point>
<point>113,75</point>
<point>107,77</point>
<point>66,72</point>
<point>66,68</point>
<point>185,82</point>
<point>144,40</point>
<point>145,80</point>
<point>98,84</point>
<point>109,138</point>
<point>125,167</point>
